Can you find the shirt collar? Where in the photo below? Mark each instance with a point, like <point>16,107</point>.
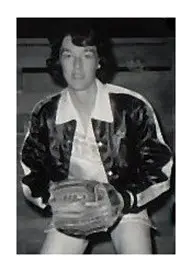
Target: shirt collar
<point>102,110</point>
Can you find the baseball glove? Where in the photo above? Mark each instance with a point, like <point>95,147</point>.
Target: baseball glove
<point>81,208</point>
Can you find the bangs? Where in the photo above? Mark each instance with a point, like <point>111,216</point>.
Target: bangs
<point>83,39</point>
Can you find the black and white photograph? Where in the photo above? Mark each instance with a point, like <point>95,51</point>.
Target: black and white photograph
<point>95,135</point>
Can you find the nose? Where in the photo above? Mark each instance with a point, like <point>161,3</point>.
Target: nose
<point>77,63</point>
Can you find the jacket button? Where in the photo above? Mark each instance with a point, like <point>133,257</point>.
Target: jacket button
<point>100,144</point>
<point>109,173</point>
<point>112,175</point>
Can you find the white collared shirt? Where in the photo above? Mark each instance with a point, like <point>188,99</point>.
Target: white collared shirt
<point>85,161</point>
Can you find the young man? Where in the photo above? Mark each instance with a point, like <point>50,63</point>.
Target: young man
<point>96,131</point>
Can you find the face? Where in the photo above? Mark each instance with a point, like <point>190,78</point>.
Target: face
<point>79,64</point>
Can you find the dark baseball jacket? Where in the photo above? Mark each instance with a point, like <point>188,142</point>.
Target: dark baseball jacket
<point>135,157</point>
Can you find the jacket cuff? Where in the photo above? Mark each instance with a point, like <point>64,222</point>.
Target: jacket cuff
<point>38,201</point>
<point>129,200</point>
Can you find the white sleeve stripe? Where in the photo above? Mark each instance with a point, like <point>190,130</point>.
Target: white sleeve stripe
<point>158,130</point>
<point>25,168</point>
<point>155,190</point>
<point>25,138</point>
<point>167,168</point>
<point>27,193</point>
<point>152,192</point>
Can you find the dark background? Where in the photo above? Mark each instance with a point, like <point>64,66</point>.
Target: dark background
<point>116,27</point>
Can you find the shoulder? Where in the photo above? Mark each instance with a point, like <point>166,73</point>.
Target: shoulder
<point>46,104</point>
<point>127,95</point>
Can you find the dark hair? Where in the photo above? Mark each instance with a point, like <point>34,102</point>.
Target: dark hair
<point>83,35</point>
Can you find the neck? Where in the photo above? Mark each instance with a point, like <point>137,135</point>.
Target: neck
<point>84,96</point>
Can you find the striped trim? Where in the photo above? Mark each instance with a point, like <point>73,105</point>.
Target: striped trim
<point>25,168</point>
<point>152,192</point>
<point>167,168</point>
<point>27,193</point>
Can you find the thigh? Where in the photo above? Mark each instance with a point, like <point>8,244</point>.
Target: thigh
<point>59,243</point>
<point>132,238</point>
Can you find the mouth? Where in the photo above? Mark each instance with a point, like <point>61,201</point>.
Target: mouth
<point>78,76</point>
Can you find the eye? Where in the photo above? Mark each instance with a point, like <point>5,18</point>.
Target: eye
<point>66,54</point>
<point>89,54</point>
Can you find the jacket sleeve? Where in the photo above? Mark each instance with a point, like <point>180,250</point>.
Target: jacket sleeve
<point>34,160</point>
<point>152,160</point>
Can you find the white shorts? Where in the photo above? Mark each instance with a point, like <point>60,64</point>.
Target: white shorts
<point>141,217</point>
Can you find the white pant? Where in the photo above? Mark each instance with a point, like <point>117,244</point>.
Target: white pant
<point>127,237</point>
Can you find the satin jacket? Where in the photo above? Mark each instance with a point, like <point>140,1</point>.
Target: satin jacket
<point>136,159</point>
